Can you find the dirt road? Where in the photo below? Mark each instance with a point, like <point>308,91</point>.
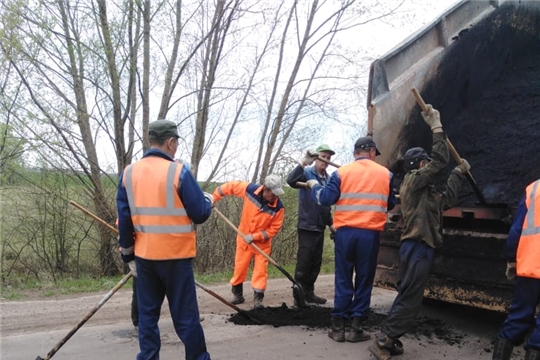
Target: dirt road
<point>32,328</point>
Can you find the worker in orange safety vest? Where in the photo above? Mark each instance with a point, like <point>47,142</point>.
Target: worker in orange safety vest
<point>363,193</point>
<point>261,219</point>
<point>158,202</point>
<point>522,251</point>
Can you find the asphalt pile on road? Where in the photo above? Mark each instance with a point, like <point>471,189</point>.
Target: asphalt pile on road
<point>314,317</point>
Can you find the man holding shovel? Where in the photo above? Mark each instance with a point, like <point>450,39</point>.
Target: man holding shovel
<point>261,219</point>
<point>158,201</point>
<point>312,220</point>
<point>421,208</point>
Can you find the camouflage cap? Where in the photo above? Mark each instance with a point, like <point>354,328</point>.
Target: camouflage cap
<point>162,129</point>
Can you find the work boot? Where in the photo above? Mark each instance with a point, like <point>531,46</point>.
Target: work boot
<point>338,329</point>
<point>502,349</point>
<point>314,299</point>
<point>532,354</point>
<point>382,347</point>
<point>238,292</point>
<point>357,334</point>
<point>258,297</point>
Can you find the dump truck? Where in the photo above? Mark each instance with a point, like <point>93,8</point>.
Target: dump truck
<point>479,65</point>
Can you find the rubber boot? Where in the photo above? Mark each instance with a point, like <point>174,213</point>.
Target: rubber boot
<point>314,299</point>
<point>258,297</point>
<point>238,292</point>
<point>357,334</point>
<point>502,349</point>
<point>382,347</point>
<point>338,329</point>
<point>532,354</point>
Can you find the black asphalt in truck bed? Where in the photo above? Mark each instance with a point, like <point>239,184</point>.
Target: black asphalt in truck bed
<point>487,90</point>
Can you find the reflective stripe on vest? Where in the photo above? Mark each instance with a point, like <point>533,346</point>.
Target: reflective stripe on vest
<point>363,202</point>
<point>162,228</point>
<point>528,252</point>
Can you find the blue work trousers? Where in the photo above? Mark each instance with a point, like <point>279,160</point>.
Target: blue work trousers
<point>415,262</point>
<point>520,318</point>
<point>354,250</point>
<point>174,279</point>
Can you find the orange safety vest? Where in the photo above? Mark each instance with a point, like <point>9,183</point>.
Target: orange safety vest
<point>363,202</point>
<point>528,252</point>
<point>163,230</point>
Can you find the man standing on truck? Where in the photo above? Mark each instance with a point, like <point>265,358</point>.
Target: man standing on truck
<point>522,252</point>
<point>363,193</point>
<point>312,220</point>
<point>421,208</point>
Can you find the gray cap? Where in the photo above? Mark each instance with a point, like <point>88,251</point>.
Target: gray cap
<point>273,183</point>
<point>162,129</point>
<point>366,143</point>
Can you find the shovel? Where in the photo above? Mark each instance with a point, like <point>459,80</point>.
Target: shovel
<point>201,286</point>
<point>220,298</point>
<point>453,151</point>
<point>85,319</point>
<point>298,293</point>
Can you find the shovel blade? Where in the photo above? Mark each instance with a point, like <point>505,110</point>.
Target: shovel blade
<point>298,294</point>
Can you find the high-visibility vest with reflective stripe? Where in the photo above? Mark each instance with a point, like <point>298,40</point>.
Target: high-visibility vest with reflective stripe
<point>163,231</point>
<point>528,252</point>
<point>363,202</point>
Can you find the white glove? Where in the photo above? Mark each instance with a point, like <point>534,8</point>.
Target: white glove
<point>511,270</point>
<point>248,238</point>
<point>309,157</point>
<point>210,198</point>
<point>312,183</point>
<point>464,167</point>
<point>432,118</point>
<point>133,267</point>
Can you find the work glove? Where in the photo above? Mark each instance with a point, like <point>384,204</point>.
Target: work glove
<point>332,232</point>
<point>511,270</point>
<point>309,157</point>
<point>432,118</point>
<point>210,198</point>
<point>133,267</point>
<point>312,183</point>
<point>464,167</point>
<point>248,238</point>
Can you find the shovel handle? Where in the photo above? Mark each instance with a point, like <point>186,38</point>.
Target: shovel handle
<point>452,150</point>
<point>328,162</point>
<point>265,255</point>
<point>302,184</point>
<point>95,217</point>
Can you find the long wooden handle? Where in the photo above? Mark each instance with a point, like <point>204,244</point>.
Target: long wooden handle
<point>302,184</point>
<point>95,217</point>
<point>265,255</point>
<point>329,162</point>
<point>452,150</point>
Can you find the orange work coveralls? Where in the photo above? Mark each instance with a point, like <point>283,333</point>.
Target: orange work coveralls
<point>259,218</point>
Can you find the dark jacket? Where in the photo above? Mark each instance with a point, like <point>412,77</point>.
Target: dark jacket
<point>421,204</point>
<point>311,216</point>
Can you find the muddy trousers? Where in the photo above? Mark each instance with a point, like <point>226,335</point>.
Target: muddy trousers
<point>415,261</point>
<point>355,250</point>
<point>174,279</point>
<point>309,258</point>
<point>520,318</point>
